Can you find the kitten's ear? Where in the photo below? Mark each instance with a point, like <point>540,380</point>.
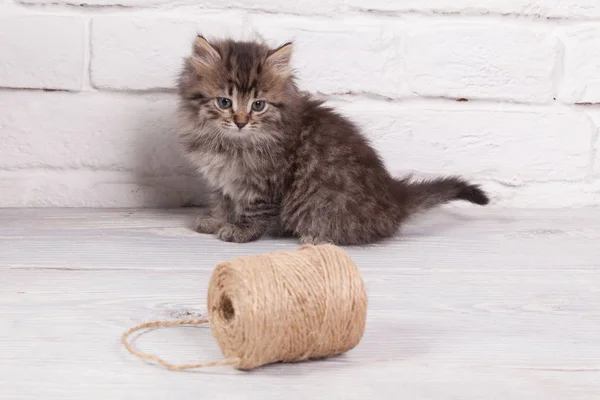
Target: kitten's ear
<point>280,59</point>
<point>204,53</point>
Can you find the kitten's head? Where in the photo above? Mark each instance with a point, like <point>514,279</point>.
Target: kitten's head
<point>236,89</point>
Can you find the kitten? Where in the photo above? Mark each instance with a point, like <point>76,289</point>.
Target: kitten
<point>274,156</point>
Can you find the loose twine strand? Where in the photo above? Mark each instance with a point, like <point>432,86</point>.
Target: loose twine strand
<point>166,364</point>
<point>279,307</point>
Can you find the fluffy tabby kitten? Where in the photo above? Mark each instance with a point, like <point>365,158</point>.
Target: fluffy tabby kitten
<point>273,156</point>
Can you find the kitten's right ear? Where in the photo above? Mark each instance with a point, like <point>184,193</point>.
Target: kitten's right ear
<point>205,54</point>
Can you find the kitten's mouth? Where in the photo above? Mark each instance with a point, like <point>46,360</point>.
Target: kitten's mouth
<point>232,129</point>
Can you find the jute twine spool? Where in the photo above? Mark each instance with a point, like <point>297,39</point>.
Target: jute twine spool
<point>280,307</point>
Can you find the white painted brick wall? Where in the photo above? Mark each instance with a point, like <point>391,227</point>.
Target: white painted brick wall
<point>480,140</point>
<point>41,51</point>
<point>87,91</point>
<point>89,130</point>
<point>481,60</point>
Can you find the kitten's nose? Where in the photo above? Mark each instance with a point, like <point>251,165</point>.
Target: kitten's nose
<point>240,124</point>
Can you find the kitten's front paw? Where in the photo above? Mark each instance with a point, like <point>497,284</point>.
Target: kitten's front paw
<point>207,224</point>
<point>232,233</point>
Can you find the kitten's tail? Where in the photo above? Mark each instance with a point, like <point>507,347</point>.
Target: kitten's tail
<point>416,196</point>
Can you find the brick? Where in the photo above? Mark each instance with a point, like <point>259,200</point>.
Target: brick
<point>41,52</point>
<point>147,53</point>
<point>106,131</point>
<point>511,145</point>
<point>541,8</point>
<point>85,188</point>
<point>595,118</point>
<point>339,57</point>
<point>581,82</point>
<point>481,61</point>
<point>292,7</point>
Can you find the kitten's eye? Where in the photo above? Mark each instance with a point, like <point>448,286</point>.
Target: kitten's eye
<point>224,103</point>
<point>259,105</point>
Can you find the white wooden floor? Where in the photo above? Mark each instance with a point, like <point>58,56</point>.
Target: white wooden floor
<point>470,304</point>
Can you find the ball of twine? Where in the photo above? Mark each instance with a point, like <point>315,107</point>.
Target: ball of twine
<point>280,307</point>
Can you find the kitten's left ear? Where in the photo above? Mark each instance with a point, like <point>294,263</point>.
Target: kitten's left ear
<point>280,58</point>
<point>204,53</point>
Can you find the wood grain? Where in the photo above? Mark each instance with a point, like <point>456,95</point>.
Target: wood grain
<point>503,304</point>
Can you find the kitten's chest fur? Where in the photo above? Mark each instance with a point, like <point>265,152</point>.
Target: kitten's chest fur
<point>242,177</point>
